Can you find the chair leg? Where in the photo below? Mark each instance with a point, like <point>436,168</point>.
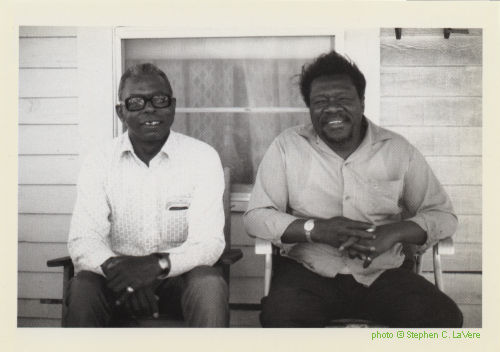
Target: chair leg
<point>267,273</point>
<point>418,264</point>
<point>438,275</point>
<point>68,273</point>
<point>225,273</point>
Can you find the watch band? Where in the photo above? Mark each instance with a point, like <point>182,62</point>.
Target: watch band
<point>308,227</point>
<point>164,264</point>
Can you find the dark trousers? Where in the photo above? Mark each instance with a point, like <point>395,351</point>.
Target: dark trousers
<point>200,297</point>
<point>398,298</point>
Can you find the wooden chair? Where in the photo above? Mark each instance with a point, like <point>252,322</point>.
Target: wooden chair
<point>228,257</point>
<point>443,247</point>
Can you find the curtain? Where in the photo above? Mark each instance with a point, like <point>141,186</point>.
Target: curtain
<point>241,137</point>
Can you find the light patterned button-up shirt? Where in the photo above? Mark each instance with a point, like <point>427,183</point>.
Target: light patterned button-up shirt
<point>385,180</point>
<point>124,207</point>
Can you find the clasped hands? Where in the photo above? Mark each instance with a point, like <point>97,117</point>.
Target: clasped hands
<point>133,279</point>
<point>359,239</point>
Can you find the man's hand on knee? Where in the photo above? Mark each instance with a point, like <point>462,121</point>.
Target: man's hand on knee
<point>130,273</point>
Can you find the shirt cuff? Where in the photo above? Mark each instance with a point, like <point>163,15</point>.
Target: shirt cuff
<point>99,258</point>
<point>277,224</point>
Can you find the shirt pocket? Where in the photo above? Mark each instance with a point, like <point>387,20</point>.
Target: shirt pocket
<point>380,198</point>
<point>174,222</point>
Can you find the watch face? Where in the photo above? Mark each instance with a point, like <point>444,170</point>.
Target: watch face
<point>163,263</point>
<point>309,225</point>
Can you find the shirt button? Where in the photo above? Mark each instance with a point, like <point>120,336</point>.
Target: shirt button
<point>347,197</point>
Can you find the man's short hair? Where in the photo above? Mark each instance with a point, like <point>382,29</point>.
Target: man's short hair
<point>138,70</point>
<point>329,64</point>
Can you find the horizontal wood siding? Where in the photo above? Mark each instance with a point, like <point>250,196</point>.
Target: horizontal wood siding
<point>47,32</point>
<point>38,323</point>
<point>49,143</point>
<point>48,169</point>
<point>33,256</point>
<point>47,82</point>
<point>441,141</point>
<point>43,227</point>
<point>47,52</point>
<point>444,168</point>
<point>41,199</point>
<point>424,50</point>
<point>467,258</point>
<point>445,81</point>
<point>37,285</point>
<point>431,93</point>
<point>48,111</point>
<point>49,139</point>
<point>431,111</point>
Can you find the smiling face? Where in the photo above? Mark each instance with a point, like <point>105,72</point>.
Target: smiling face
<point>336,111</point>
<point>150,125</point>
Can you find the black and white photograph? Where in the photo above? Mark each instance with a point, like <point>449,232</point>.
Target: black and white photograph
<point>332,212</point>
<point>253,166</point>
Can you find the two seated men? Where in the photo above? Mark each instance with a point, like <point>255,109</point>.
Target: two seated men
<point>148,222</point>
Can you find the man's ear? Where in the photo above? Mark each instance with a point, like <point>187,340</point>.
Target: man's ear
<point>119,111</point>
<point>363,103</point>
<point>174,101</point>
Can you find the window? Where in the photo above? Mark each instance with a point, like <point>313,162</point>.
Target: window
<point>237,94</point>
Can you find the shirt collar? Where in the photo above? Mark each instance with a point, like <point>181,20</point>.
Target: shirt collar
<point>126,144</point>
<point>169,148</point>
<point>374,134</point>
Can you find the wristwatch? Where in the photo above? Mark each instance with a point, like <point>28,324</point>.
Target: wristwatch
<point>164,264</point>
<point>308,227</point>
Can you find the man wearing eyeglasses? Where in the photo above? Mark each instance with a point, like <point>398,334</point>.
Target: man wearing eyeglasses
<point>148,221</point>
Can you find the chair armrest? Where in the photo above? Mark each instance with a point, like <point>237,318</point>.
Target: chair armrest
<point>62,261</point>
<point>263,246</point>
<point>445,246</point>
<point>230,257</point>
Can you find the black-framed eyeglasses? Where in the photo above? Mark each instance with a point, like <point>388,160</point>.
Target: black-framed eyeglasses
<point>139,102</point>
